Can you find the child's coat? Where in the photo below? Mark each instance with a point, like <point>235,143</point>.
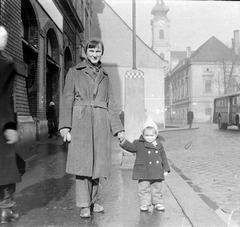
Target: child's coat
<point>151,162</point>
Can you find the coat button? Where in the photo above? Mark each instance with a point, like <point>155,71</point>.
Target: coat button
<point>149,152</point>
<point>156,152</point>
<point>157,161</point>
<point>150,163</point>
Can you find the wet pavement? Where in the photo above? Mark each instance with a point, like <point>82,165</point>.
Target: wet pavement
<point>46,196</point>
<point>208,160</point>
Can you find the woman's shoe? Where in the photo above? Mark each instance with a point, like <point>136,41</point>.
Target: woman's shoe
<point>97,208</point>
<point>8,215</point>
<point>85,212</point>
<point>159,207</point>
<point>144,208</point>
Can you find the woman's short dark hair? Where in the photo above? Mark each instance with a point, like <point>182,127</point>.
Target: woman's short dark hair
<point>92,43</point>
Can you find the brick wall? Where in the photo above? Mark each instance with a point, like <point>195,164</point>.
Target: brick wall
<point>10,17</point>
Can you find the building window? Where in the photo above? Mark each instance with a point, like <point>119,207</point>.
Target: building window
<point>208,111</point>
<point>207,69</point>
<point>49,47</point>
<point>161,34</point>
<point>208,86</point>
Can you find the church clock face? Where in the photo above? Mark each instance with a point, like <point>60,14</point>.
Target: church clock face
<point>161,23</point>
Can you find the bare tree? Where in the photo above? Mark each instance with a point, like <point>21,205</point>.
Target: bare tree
<point>227,67</point>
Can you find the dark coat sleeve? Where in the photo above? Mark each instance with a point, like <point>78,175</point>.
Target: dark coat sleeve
<point>130,147</point>
<point>165,161</point>
<point>8,73</point>
<point>65,118</point>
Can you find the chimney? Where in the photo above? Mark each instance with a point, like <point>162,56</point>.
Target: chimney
<point>188,52</point>
<point>236,42</point>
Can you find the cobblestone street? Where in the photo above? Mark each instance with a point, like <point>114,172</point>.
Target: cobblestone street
<point>208,159</point>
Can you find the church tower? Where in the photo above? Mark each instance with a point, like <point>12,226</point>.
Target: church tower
<point>161,30</point>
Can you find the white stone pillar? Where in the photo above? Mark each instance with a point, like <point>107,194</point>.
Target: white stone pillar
<point>133,110</point>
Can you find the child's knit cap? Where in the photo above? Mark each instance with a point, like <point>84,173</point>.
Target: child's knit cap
<point>150,123</point>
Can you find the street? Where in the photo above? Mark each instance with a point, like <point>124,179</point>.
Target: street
<point>208,159</point>
<point>205,157</point>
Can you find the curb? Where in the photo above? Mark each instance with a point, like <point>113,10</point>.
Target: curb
<point>177,129</point>
<point>196,210</point>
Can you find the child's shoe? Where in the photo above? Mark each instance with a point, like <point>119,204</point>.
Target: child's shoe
<point>159,207</point>
<point>144,208</point>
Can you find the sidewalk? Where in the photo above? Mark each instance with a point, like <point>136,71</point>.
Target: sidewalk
<point>46,197</point>
<point>183,206</point>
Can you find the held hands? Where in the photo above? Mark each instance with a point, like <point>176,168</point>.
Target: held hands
<point>65,133</point>
<point>121,136</point>
<point>165,174</point>
<point>11,136</point>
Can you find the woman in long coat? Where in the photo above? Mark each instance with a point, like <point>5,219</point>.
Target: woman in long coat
<point>9,173</point>
<point>88,116</point>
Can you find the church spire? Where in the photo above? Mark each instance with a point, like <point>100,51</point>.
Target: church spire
<point>160,10</point>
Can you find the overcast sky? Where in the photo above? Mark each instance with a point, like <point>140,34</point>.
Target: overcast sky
<point>192,22</point>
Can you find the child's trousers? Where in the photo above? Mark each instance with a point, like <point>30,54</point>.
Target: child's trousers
<point>86,191</point>
<point>150,192</point>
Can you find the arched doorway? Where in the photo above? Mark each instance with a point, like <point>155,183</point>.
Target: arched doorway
<point>52,69</point>
<point>30,35</point>
<point>67,62</point>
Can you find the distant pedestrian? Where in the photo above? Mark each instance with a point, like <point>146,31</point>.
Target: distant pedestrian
<point>190,118</point>
<point>9,173</point>
<point>88,117</point>
<point>150,167</point>
<point>52,121</point>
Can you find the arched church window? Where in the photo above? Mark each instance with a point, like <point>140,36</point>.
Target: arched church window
<point>22,29</point>
<point>49,46</point>
<point>161,34</point>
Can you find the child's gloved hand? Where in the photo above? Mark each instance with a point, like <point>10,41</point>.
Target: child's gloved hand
<point>121,136</point>
<point>165,174</point>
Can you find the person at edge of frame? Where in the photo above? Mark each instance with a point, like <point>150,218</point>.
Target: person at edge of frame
<point>9,173</point>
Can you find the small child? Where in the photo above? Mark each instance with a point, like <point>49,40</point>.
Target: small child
<point>150,166</point>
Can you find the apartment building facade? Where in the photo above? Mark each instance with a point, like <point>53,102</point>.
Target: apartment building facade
<point>210,71</point>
